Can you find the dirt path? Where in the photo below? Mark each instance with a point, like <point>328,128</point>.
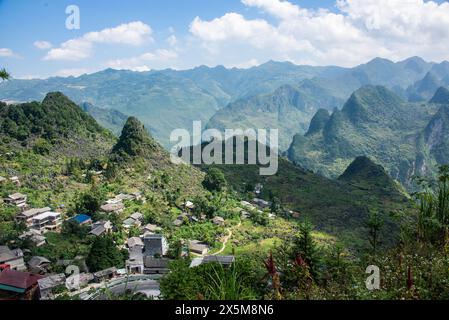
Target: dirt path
<point>225,240</point>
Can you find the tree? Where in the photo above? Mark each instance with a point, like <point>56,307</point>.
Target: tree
<point>306,248</point>
<point>375,224</point>
<point>111,171</point>
<point>215,180</point>
<point>4,75</point>
<point>89,202</point>
<point>71,227</point>
<point>276,205</point>
<point>204,206</point>
<point>260,218</point>
<point>433,208</point>
<point>104,254</point>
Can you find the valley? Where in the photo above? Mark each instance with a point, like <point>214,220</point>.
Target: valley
<point>88,183</point>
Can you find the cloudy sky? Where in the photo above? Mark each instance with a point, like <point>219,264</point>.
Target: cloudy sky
<point>143,35</point>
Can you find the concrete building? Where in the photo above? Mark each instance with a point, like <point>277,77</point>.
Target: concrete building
<point>155,244</point>
<point>12,258</point>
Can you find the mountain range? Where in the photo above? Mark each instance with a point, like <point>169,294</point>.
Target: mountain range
<point>407,138</point>
<point>275,94</point>
<point>340,207</point>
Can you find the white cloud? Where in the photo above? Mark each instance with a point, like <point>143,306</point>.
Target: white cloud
<point>234,27</point>
<point>172,40</point>
<point>5,52</point>
<point>146,61</point>
<point>43,45</point>
<point>358,31</point>
<point>134,34</point>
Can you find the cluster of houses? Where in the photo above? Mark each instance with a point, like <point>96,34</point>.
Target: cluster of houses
<point>17,199</point>
<point>115,205</point>
<point>187,215</point>
<point>98,228</point>
<point>134,220</point>
<point>38,221</point>
<point>15,281</point>
<point>147,253</point>
<point>256,205</point>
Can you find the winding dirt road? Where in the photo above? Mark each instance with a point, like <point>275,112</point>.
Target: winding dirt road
<point>226,239</point>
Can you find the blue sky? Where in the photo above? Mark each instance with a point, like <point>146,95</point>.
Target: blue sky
<point>34,41</point>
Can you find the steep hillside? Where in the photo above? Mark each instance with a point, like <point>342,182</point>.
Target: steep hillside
<point>135,142</point>
<point>365,174</point>
<point>441,96</point>
<point>291,108</point>
<point>374,122</point>
<point>424,89</point>
<point>65,154</point>
<point>137,151</point>
<point>436,138</point>
<point>339,207</point>
<point>108,118</point>
<point>54,125</point>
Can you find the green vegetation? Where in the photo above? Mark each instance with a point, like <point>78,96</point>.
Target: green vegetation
<point>108,118</point>
<point>90,201</point>
<point>4,75</point>
<point>104,254</point>
<point>55,124</point>
<point>211,281</point>
<point>214,181</point>
<point>288,108</point>
<point>400,136</point>
<point>63,246</point>
<point>363,218</point>
<point>134,140</point>
<point>339,208</point>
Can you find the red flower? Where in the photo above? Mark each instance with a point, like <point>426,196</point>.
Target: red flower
<point>270,265</point>
<point>299,261</point>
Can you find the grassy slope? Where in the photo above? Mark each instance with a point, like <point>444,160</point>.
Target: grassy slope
<point>335,207</point>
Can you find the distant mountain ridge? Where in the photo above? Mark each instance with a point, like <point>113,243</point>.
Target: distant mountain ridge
<point>163,100</point>
<point>169,99</point>
<point>108,118</point>
<point>328,91</point>
<point>288,109</point>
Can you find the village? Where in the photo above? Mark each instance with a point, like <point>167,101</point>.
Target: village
<point>23,276</point>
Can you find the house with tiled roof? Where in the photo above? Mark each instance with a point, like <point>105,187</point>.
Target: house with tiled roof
<point>18,285</point>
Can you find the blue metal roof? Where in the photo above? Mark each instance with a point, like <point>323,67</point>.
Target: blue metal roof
<point>81,218</point>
